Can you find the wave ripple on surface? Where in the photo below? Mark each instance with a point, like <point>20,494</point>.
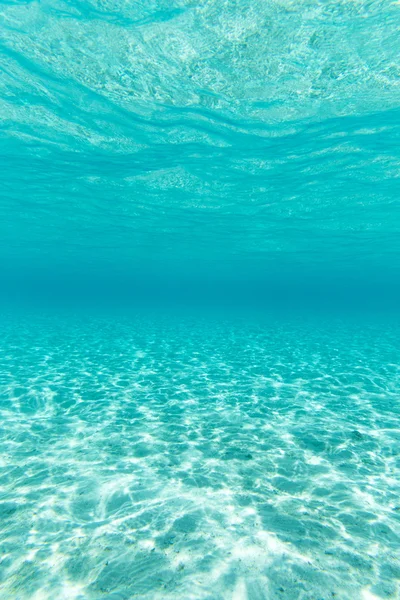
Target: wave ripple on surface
<point>234,137</point>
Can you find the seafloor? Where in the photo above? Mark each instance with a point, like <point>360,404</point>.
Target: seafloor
<point>199,457</point>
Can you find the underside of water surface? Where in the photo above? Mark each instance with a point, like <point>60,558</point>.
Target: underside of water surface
<point>199,300</point>
<point>223,140</point>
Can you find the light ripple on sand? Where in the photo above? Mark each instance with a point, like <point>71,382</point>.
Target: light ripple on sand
<point>162,458</point>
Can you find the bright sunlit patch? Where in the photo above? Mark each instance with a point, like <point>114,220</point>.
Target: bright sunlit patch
<point>366,594</point>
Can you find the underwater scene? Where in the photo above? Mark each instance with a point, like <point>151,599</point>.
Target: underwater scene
<point>199,300</point>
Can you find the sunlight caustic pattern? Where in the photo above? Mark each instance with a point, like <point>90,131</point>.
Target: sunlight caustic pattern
<point>158,458</point>
<point>226,151</point>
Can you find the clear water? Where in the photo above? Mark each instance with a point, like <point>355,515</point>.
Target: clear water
<point>155,457</point>
<point>199,299</point>
<point>220,139</point>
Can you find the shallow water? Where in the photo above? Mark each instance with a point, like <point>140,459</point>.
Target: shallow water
<point>161,456</point>
<point>250,139</point>
<point>199,299</point>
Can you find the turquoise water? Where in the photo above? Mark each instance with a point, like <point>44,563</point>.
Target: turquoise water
<point>199,300</point>
<point>217,140</point>
<point>161,456</point>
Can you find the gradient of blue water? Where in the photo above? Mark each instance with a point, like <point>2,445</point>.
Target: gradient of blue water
<point>199,299</point>
<point>224,140</point>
